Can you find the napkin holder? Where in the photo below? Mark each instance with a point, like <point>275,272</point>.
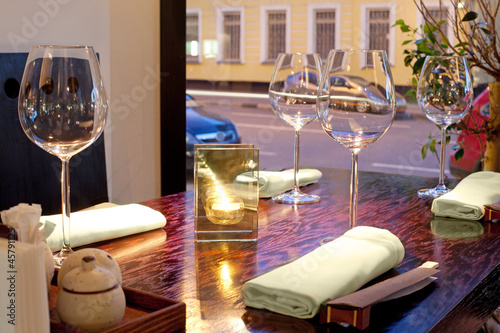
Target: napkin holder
<point>226,210</point>
<point>354,309</point>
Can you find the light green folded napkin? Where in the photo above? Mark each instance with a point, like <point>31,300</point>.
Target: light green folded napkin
<point>95,225</point>
<point>272,183</point>
<point>338,268</point>
<point>466,201</point>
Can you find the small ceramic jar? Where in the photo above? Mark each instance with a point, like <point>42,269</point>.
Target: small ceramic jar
<point>90,298</point>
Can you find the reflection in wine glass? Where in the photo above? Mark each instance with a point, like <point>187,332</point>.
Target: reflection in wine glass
<point>444,93</point>
<point>62,108</point>
<point>292,92</point>
<point>356,105</point>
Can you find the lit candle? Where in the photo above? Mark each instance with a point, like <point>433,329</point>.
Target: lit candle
<point>226,206</point>
<point>225,210</point>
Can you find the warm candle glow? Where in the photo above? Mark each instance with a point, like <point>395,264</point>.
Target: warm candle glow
<point>226,206</point>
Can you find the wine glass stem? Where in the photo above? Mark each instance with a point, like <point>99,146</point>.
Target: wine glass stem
<point>441,159</point>
<point>353,207</point>
<point>296,160</point>
<point>65,204</point>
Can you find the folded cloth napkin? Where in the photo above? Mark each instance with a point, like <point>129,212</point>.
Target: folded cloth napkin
<point>95,225</point>
<point>272,183</point>
<point>466,201</point>
<point>335,269</point>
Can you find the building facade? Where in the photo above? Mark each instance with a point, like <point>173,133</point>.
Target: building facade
<point>233,43</point>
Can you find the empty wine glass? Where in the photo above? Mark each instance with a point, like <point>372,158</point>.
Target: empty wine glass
<point>444,93</point>
<point>292,92</point>
<point>62,108</point>
<point>356,105</point>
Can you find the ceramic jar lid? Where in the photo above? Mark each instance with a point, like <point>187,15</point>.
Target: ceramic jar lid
<point>89,278</point>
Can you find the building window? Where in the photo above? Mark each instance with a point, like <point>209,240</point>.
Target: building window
<point>438,14</point>
<point>275,32</point>
<point>378,29</point>
<point>230,34</point>
<point>376,21</point>
<point>193,38</point>
<point>324,29</point>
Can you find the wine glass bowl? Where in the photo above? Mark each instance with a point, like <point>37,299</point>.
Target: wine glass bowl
<point>62,108</point>
<point>445,95</point>
<point>356,105</point>
<point>292,93</point>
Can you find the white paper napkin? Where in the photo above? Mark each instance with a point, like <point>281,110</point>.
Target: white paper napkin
<point>335,269</point>
<point>272,183</point>
<point>101,224</point>
<point>467,199</point>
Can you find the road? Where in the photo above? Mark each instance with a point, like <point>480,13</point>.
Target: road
<point>398,151</point>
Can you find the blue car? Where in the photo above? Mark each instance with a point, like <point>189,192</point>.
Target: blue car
<point>205,127</point>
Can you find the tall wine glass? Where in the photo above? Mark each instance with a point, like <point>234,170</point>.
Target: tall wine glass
<point>292,92</point>
<point>445,95</point>
<point>356,105</point>
<point>62,108</point>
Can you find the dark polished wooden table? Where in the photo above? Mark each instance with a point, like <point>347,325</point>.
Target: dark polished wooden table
<point>208,276</point>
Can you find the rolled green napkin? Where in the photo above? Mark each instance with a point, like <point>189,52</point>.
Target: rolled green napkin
<point>338,268</point>
<point>95,225</point>
<point>272,183</point>
<point>466,201</point>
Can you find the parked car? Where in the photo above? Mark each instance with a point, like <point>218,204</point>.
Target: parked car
<point>471,159</point>
<point>205,127</point>
<point>358,87</point>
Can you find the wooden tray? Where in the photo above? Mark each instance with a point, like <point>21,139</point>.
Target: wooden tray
<point>144,313</point>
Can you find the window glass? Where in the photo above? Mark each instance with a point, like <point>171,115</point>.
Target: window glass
<point>276,27</point>
<point>192,37</point>
<point>324,32</point>
<point>378,31</point>
<point>232,37</point>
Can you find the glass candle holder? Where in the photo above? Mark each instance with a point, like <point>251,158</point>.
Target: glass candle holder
<point>226,192</point>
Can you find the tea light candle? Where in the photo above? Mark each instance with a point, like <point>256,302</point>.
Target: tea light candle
<point>225,210</point>
<point>226,206</point>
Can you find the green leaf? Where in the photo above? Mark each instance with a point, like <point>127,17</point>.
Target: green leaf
<point>414,81</point>
<point>486,31</point>
<point>408,60</point>
<point>407,42</point>
<point>424,151</point>
<point>459,154</point>
<point>417,67</point>
<point>448,138</point>
<point>432,146</point>
<point>470,16</point>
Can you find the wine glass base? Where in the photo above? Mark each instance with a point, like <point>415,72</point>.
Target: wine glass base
<point>433,193</point>
<point>62,255</point>
<point>296,197</point>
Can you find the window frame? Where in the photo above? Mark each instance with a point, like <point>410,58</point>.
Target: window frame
<point>220,11</point>
<point>264,32</point>
<point>391,6</point>
<point>196,11</point>
<point>311,24</point>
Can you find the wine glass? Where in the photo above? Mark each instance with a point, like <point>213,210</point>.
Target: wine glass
<point>292,92</point>
<point>62,108</point>
<point>445,95</point>
<point>356,105</point>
